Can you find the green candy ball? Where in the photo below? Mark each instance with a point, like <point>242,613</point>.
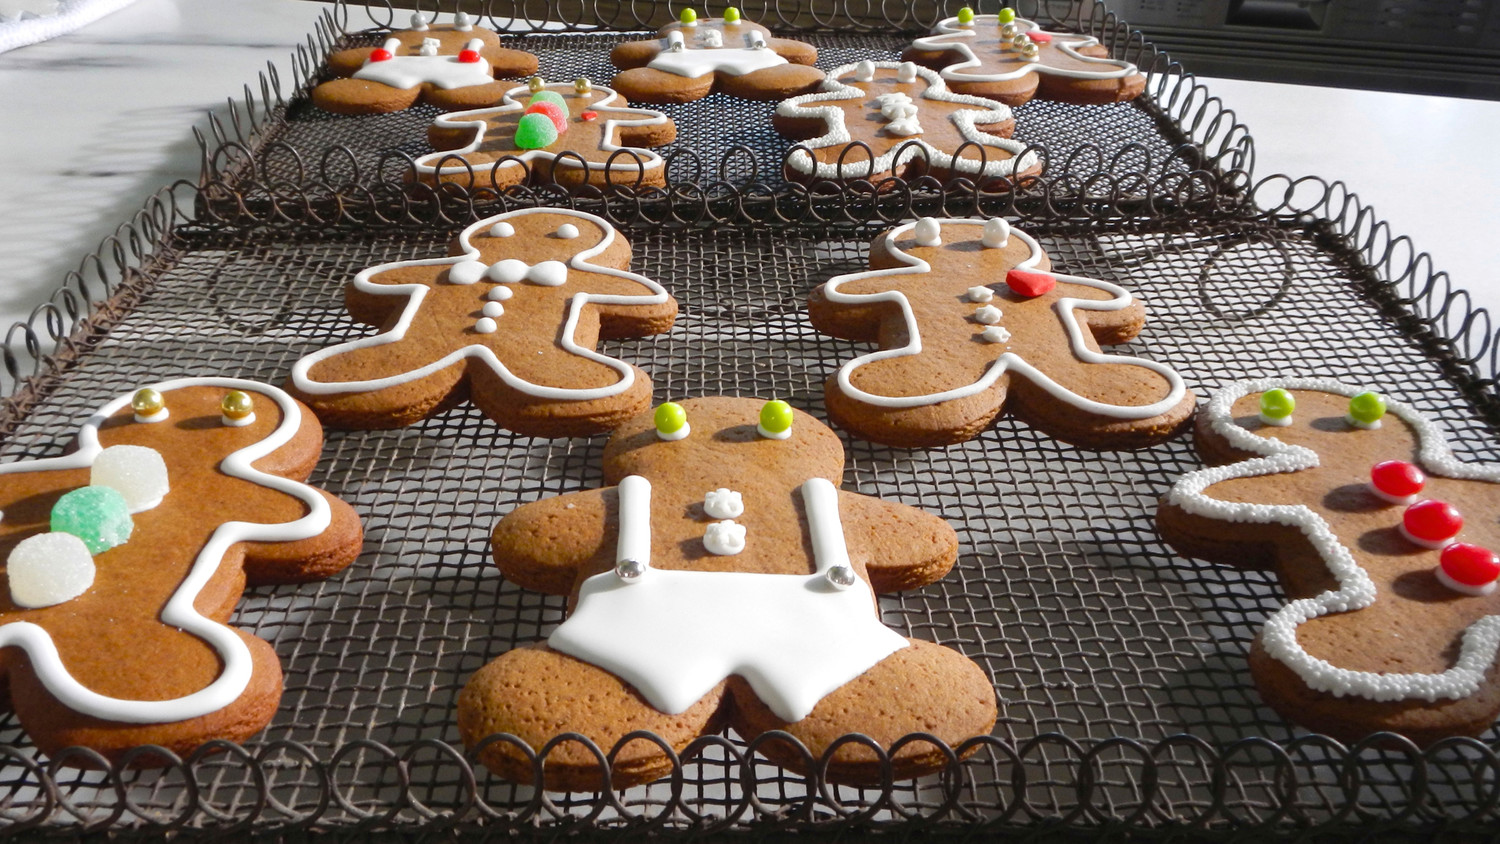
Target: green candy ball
<point>966,15</point>
<point>688,16</point>
<point>549,97</point>
<point>535,131</point>
<point>670,417</point>
<point>776,416</point>
<point>96,514</point>
<point>731,15</point>
<point>1277,404</point>
<point>1367,408</point>
<point>1005,15</point>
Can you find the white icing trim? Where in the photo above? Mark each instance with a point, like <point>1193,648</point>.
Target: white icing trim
<point>179,610</point>
<point>857,166</point>
<point>474,120</point>
<point>1008,361</point>
<point>418,292</point>
<point>1356,590</point>
<point>1066,42</point>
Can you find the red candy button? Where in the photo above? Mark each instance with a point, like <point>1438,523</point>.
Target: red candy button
<point>1039,37</point>
<point>1397,481</point>
<point>1470,566</point>
<point>590,115</point>
<point>553,113</point>
<point>468,56</point>
<point>1431,524</point>
<point>1029,283</point>
<point>381,54</point>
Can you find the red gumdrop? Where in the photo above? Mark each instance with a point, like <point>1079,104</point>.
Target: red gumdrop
<point>468,56</point>
<point>381,54</point>
<point>1039,37</point>
<point>590,115</point>
<point>1397,478</point>
<point>1432,521</point>
<point>1471,565</point>
<point>1030,283</point>
<point>553,113</point>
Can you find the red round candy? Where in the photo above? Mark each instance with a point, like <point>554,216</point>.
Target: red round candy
<point>1471,565</point>
<point>381,54</point>
<point>1397,478</point>
<point>468,56</point>
<point>590,115</point>
<point>553,113</point>
<point>1039,37</point>
<point>1433,521</point>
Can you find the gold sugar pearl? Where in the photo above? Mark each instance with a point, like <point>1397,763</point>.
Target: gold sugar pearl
<point>1009,31</point>
<point>147,402</point>
<point>237,404</point>
<point>536,84</point>
<point>582,85</point>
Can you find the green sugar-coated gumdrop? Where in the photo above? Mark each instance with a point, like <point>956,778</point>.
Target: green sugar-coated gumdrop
<point>776,416</point>
<point>966,15</point>
<point>1005,15</point>
<point>670,417</point>
<point>1277,404</point>
<point>535,131</point>
<point>731,15</point>
<point>688,16</point>
<point>549,97</point>
<point>96,514</point>
<point>1367,408</point>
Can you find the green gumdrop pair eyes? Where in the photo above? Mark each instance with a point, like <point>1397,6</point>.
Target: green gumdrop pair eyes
<point>1004,16</point>
<point>731,15</point>
<point>775,416</point>
<point>1365,408</point>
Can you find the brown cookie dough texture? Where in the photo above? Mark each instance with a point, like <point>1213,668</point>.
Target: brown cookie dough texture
<point>510,321</point>
<point>605,143</point>
<point>117,639</point>
<point>957,345</point>
<point>348,95</point>
<point>1375,640</point>
<point>980,58</point>
<point>735,67</point>
<point>571,545</point>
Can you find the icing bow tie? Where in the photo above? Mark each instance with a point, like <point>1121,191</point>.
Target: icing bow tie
<point>510,271</point>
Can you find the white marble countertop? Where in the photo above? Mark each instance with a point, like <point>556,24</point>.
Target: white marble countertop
<point>98,120</point>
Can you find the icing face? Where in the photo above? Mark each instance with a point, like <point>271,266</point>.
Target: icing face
<point>446,72</point>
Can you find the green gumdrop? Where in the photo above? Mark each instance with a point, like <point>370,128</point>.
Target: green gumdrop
<point>96,514</point>
<point>670,417</point>
<point>966,15</point>
<point>1006,15</point>
<point>688,16</point>
<point>776,416</point>
<point>1277,404</point>
<point>535,131</point>
<point>1367,408</point>
<point>731,15</point>
<point>549,97</point>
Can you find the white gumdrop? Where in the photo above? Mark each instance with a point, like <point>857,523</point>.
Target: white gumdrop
<point>134,471</point>
<point>49,568</point>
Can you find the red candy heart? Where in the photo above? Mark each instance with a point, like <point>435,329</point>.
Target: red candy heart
<point>1039,37</point>
<point>381,54</point>
<point>553,113</point>
<point>1030,283</point>
<point>1397,481</point>
<point>1470,565</point>
<point>468,56</point>
<point>1431,524</point>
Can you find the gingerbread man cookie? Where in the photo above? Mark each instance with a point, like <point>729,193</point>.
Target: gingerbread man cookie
<point>1382,540</point>
<point>510,321</point>
<point>956,349</point>
<point>908,122</point>
<point>451,66</point>
<point>1012,59</point>
<point>125,558</point>
<point>567,133</point>
<point>699,56</point>
<point>723,577</point>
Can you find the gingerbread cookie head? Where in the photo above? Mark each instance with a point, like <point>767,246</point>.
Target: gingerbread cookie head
<point>125,557</point>
<point>1012,59</point>
<point>510,320</point>
<point>723,576</point>
<point>1383,540</point>
<point>874,120</point>
<point>452,66</point>
<point>971,320</point>
<point>566,133</point>
<point>699,56</point>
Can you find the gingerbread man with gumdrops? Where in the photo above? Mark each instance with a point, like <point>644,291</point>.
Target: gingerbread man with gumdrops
<point>723,577</point>
<point>957,348</point>
<point>125,558</point>
<point>509,321</point>
<point>1382,540</point>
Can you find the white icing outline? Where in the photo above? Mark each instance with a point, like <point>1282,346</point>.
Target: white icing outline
<point>417,293</point>
<point>857,166</point>
<point>474,120</point>
<point>179,611</point>
<point>1008,361</point>
<point>1063,41</point>
<point>1481,640</point>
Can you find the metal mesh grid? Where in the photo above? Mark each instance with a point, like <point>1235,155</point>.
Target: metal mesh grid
<point>1092,630</point>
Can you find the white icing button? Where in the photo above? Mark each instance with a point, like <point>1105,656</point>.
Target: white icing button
<point>996,233</point>
<point>493,309</point>
<point>995,334</point>
<point>987,315</point>
<point>679,434</point>
<point>567,231</point>
<point>508,271</point>
<point>499,294</point>
<point>137,472</point>
<point>548,274</point>
<point>725,538</point>
<point>864,71</point>
<point>928,232</point>
<point>724,504</point>
<point>466,272</point>
<point>502,229</point>
<point>237,423</point>
<point>907,72</point>
<point>711,38</point>
<point>980,294</point>
<point>485,325</point>
<point>48,569</point>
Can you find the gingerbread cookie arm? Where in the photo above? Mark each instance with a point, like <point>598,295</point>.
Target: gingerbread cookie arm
<point>901,547</point>
<point>550,545</point>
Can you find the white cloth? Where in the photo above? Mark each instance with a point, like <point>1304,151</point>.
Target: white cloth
<point>22,23</point>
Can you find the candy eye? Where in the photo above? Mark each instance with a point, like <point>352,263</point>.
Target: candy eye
<point>775,420</point>
<point>149,406</point>
<point>237,409</point>
<point>1366,410</point>
<point>567,231</point>
<point>502,230</point>
<point>1276,407</point>
<point>672,422</point>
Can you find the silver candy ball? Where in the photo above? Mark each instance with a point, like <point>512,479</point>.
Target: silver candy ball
<point>1030,50</point>
<point>1009,30</point>
<point>630,570</point>
<point>842,576</point>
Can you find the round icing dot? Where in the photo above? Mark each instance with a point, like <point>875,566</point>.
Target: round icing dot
<point>711,38</point>
<point>462,22</point>
<point>492,309</point>
<point>907,72</point>
<point>535,131</point>
<point>485,325</point>
<point>499,294</point>
<point>1471,569</point>
<point>1039,37</point>
<point>502,229</point>
<point>468,56</point>
<point>630,571</point>
<point>97,515</point>
<point>928,232</point>
<point>582,86</point>
<point>567,231</point>
<point>467,272</point>
<point>775,420</point>
<point>980,294</point>
<point>731,15</point>
<point>237,405</point>
<point>1397,481</point>
<point>381,54</point>
<point>1029,283</point>
<point>966,16</point>
<point>864,71</point>
<point>48,569</point>
<point>556,115</point>
<point>724,504</point>
<point>688,17</point>
<point>1366,409</point>
<point>1431,523</point>
<point>987,315</point>
<point>1276,406</point>
<point>671,421</point>
<point>996,233</point>
<point>995,334</point>
<point>1005,15</point>
<point>725,538</point>
<point>841,576</point>
<point>149,406</point>
<point>135,471</point>
<point>589,116</point>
